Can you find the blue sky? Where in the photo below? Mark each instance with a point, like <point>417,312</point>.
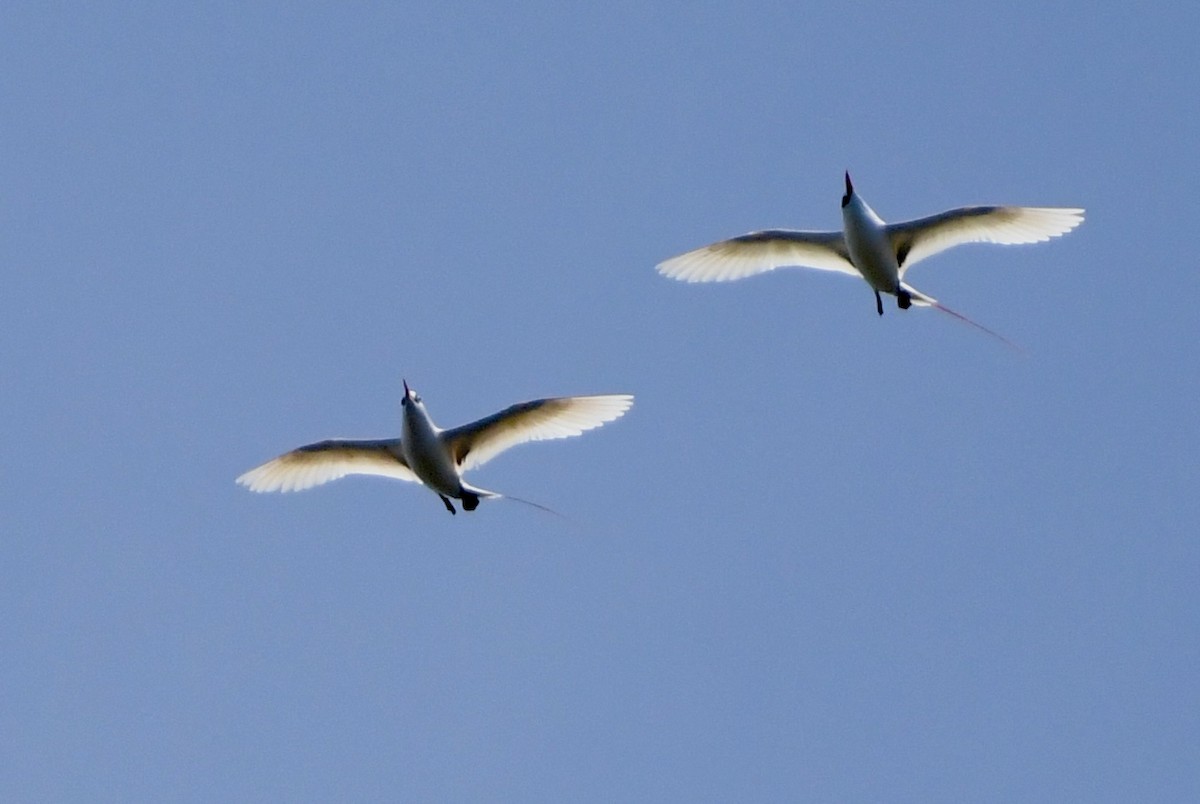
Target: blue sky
<point>827,555</point>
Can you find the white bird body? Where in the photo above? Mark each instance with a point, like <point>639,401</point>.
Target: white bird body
<point>424,451</point>
<point>870,248</point>
<point>437,458</point>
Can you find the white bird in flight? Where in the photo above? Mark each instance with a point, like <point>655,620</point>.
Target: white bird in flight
<point>426,454</point>
<point>867,247</point>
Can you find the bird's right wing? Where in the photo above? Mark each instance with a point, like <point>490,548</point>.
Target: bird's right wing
<point>758,252</point>
<point>314,464</point>
<point>915,240</point>
<point>541,419</point>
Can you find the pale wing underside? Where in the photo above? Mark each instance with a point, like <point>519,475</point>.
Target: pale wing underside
<point>913,241</point>
<point>758,252</point>
<point>478,442</point>
<point>314,464</point>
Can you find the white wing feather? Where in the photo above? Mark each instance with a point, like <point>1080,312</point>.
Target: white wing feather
<point>314,464</point>
<point>915,240</point>
<point>758,252</point>
<point>478,442</point>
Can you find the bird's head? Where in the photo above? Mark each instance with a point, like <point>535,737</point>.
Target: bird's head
<point>410,396</point>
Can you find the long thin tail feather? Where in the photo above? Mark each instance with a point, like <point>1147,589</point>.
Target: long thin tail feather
<point>538,506</point>
<point>938,305</point>
<point>920,299</point>
<point>478,493</point>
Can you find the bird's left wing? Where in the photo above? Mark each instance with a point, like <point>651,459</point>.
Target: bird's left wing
<point>478,442</point>
<point>915,240</point>
<point>757,252</point>
<point>314,464</point>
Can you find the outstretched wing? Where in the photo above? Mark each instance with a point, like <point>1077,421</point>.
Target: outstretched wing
<point>757,252</point>
<point>314,464</point>
<point>478,442</point>
<point>915,240</point>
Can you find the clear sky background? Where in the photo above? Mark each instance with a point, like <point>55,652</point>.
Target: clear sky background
<point>827,555</point>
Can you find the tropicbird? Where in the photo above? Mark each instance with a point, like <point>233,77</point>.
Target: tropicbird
<point>427,454</point>
<point>867,247</point>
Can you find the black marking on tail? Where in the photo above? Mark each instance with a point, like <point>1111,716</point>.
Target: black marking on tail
<point>470,500</point>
